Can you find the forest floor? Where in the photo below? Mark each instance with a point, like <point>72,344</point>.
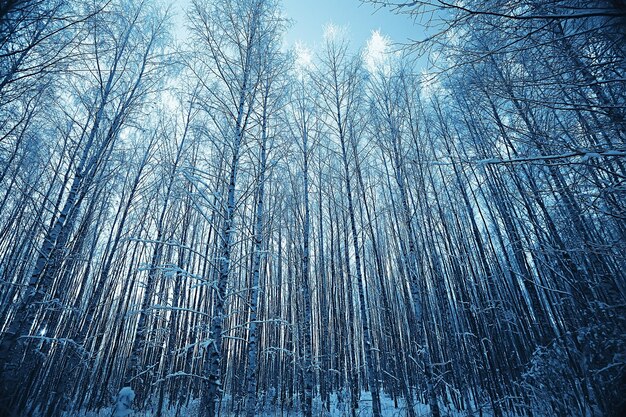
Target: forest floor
<point>339,407</point>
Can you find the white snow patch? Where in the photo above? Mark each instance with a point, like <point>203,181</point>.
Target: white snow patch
<point>123,402</point>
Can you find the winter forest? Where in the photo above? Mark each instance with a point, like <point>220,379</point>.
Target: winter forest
<point>223,225</point>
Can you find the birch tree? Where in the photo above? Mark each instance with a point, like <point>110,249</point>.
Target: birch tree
<point>339,84</point>
<point>234,35</point>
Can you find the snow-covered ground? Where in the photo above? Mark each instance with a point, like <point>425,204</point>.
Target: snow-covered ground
<point>339,407</point>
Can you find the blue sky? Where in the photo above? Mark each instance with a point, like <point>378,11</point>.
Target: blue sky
<point>310,16</point>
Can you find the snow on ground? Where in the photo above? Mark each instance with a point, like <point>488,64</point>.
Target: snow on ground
<point>340,407</point>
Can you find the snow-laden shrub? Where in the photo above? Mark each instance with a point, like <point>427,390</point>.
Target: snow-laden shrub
<point>123,402</point>
<point>549,379</point>
<point>579,374</point>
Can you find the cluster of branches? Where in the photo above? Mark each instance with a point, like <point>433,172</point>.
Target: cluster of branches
<point>224,229</point>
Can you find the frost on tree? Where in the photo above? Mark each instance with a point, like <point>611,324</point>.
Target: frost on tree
<point>223,227</point>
